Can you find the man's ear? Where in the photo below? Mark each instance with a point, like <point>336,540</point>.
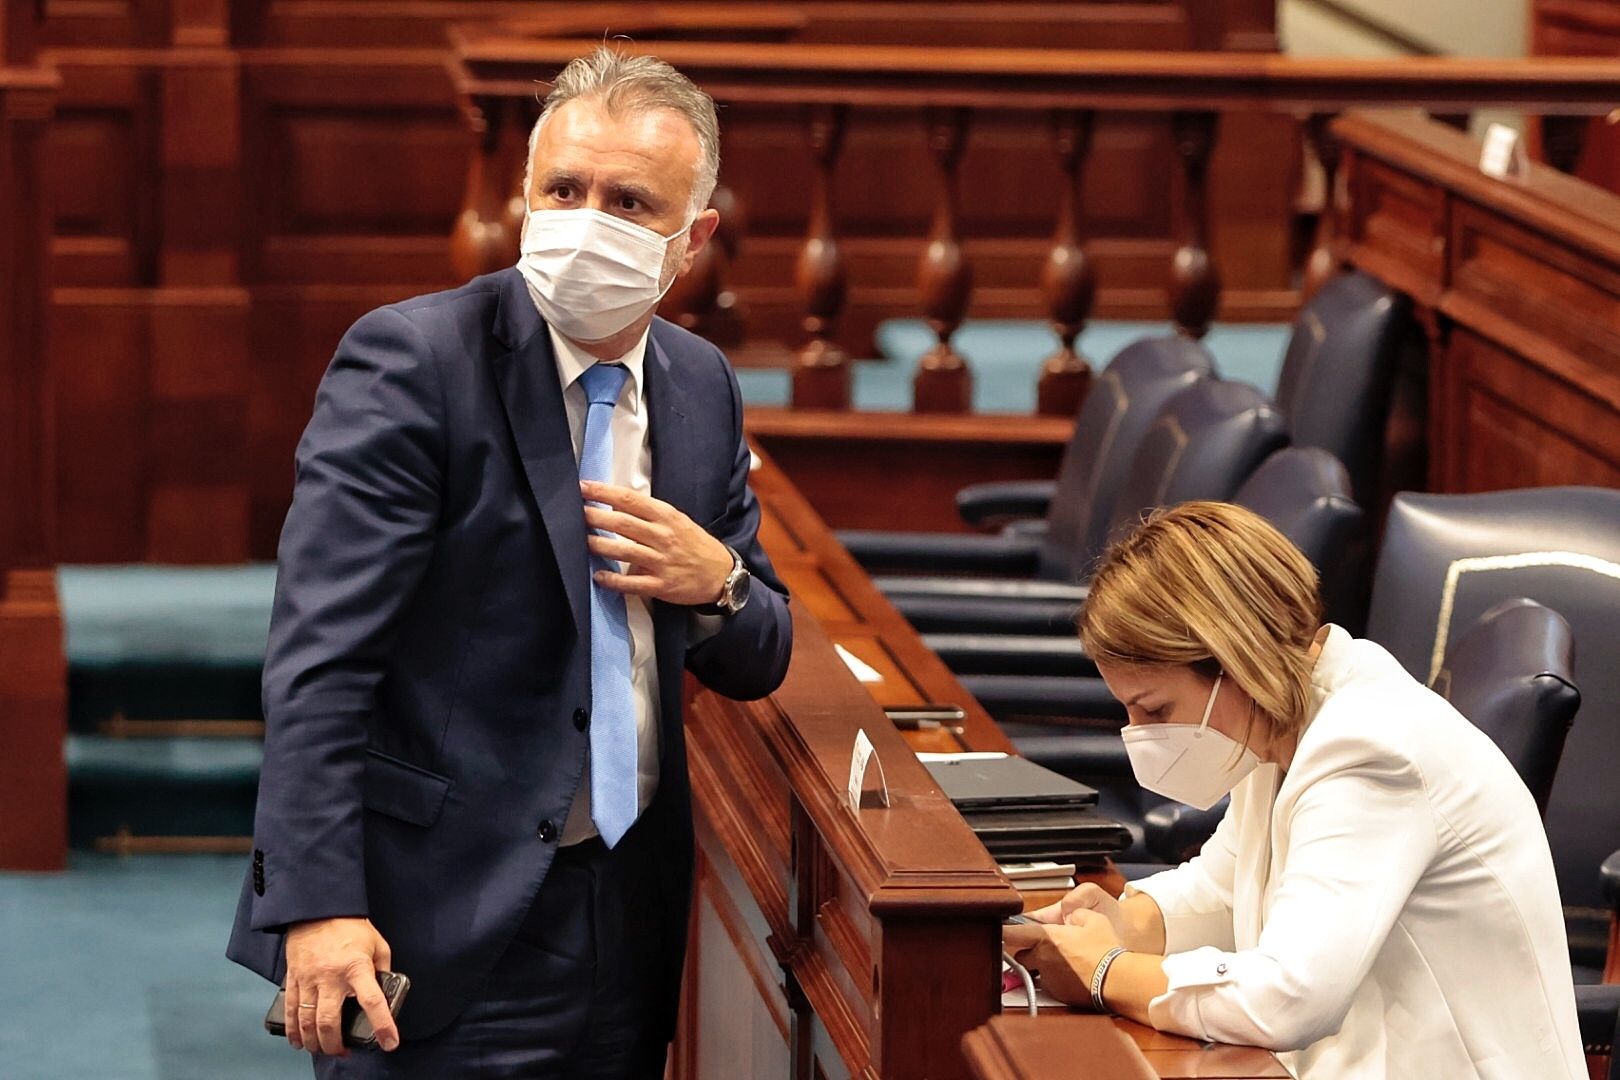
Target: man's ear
<point>703,227</point>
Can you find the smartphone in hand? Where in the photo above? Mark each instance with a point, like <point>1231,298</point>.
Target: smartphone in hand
<point>356,1024</point>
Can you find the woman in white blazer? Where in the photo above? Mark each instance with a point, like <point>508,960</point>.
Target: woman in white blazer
<point>1379,900</point>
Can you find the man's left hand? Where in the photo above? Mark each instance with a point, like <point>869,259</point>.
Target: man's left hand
<point>670,557</point>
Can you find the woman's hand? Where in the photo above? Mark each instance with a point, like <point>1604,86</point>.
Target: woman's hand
<point>1064,955</point>
<point>1083,900</point>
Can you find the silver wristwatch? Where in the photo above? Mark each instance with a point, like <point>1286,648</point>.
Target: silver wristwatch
<point>734,593</point>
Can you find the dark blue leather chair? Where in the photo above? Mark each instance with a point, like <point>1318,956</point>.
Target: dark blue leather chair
<point>1598,1010</point>
<point>1448,558</point>
<point>1304,492</point>
<point>1339,371</point>
<point>1203,445</point>
<point>1074,510</point>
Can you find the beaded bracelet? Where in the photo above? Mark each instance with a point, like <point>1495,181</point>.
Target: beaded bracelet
<point>1101,973</point>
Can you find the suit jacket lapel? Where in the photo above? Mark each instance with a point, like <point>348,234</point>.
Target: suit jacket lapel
<point>673,481</point>
<point>526,376</point>
<point>673,476</point>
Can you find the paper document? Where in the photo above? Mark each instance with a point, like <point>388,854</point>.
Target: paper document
<point>862,670</point>
<point>965,755</point>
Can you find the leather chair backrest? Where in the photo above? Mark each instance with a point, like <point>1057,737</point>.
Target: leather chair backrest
<point>1206,442</point>
<point>1512,674</point>
<point>1447,559</point>
<point>1305,493</point>
<point>1339,370</point>
<point>1123,401</point>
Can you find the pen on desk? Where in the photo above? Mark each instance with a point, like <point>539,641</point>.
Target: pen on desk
<point>932,725</point>
<point>929,717</point>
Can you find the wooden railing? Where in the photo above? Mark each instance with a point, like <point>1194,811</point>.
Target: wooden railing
<point>831,87</point>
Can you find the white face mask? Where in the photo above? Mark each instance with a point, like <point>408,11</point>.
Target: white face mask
<point>592,274</point>
<point>1192,765</point>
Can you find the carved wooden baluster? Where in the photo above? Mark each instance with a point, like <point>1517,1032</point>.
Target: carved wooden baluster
<point>1195,285</point>
<point>728,312</point>
<point>944,277</point>
<point>514,162</point>
<point>1562,140</point>
<point>483,239</point>
<point>1068,283</point>
<point>700,300</point>
<point>821,370</point>
<point>1322,263</point>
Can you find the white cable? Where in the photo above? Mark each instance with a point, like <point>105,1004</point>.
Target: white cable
<point>1029,982</point>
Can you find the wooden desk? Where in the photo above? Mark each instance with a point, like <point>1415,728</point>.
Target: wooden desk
<point>1046,1048</point>
<point>826,942</point>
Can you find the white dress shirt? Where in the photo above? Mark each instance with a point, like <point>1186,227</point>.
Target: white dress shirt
<point>632,468</point>
<point>1385,909</point>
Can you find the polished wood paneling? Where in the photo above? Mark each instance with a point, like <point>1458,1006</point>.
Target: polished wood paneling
<point>33,675</point>
<point>237,182</point>
<point>902,470</point>
<point>1517,283</point>
<point>1582,28</point>
<point>1048,1048</point>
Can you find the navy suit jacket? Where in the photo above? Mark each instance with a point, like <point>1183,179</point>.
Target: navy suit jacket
<point>427,682</point>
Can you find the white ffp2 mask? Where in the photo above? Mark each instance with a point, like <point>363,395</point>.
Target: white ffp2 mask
<point>1192,765</point>
<point>592,274</point>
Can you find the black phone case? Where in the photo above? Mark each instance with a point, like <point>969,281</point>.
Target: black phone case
<point>356,1024</point>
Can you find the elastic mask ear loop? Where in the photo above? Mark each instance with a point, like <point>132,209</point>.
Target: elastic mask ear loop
<point>1209,706</point>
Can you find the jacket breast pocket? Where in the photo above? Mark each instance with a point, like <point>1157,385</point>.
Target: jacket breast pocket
<point>402,790</point>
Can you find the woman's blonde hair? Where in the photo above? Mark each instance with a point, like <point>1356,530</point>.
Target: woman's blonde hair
<point>1214,586</point>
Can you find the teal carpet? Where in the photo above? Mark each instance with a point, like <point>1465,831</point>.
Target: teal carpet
<point>116,970</point>
<point>1005,356</point>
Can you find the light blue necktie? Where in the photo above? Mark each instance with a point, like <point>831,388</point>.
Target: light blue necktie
<point>614,796</point>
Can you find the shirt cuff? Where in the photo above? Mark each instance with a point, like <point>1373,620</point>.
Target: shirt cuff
<point>702,627</point>
<point>1178,1008</point>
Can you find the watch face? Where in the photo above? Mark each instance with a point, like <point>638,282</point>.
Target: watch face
<point>737,594</point>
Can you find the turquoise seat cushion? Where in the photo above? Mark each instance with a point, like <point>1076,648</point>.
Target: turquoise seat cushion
<point>161,786</point>
<point>165,642</point>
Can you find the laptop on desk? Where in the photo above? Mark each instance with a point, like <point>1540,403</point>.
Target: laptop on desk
<point>1008,783</point>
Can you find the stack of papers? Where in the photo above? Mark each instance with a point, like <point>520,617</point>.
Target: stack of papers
<point>1039,876</point>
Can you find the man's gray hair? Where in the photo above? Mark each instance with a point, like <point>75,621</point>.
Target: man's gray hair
<point>626,82</point>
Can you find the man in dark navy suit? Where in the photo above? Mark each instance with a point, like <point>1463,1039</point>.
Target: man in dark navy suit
<point>521,512</point>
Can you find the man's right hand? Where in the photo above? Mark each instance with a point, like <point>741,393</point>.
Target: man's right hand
<point>329,960</point>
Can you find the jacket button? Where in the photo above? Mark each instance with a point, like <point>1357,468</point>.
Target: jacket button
<point>582,719</point>
<point>547,832</point>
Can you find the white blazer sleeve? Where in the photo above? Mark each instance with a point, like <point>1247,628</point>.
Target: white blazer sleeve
<point>1359,840</point>
<point>1195,898</point>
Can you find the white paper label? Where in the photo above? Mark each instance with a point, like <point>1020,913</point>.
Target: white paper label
<point>1503,154</point>
<point>857,768</point>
